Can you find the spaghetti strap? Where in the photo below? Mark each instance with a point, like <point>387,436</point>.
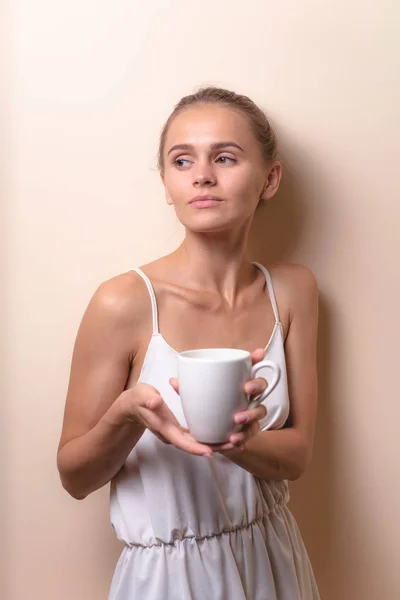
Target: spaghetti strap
<point>153,299</point>
<point>270,288</point>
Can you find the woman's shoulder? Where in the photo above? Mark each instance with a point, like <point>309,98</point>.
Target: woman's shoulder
<point>291,274</point>
<point>122,299</point>
<point>128,290</point>
<point>293,283</point>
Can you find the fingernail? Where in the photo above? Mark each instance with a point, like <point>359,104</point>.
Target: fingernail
<point>207,455</point>
<point>236,439</point>
<point>240,418</point>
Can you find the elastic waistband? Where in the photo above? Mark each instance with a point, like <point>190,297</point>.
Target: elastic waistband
<point>177,539</point>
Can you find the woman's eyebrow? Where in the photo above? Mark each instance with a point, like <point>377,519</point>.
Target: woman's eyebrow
<point>215,146</point>
<point>220,145</point>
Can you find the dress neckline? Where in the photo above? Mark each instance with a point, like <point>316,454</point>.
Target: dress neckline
<point>269,292</point>
<point>272,336</point>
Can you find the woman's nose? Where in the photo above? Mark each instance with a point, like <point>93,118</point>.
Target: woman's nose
<point>204,177</point>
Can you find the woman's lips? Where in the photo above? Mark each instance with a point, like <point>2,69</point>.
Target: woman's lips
<point>205,201</point>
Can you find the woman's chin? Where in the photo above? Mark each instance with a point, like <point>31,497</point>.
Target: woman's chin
<point>209,223</point>
<point>216,227</point>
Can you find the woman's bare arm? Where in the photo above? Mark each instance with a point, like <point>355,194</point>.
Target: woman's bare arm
<point>285,453</point>
<point>97,436</point>
<point>103,422</point>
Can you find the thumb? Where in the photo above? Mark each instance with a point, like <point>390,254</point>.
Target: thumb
<point>174,384</point>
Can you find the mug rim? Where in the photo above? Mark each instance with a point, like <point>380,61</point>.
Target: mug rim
<point>236,355</point>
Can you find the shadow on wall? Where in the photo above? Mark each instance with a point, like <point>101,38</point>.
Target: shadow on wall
<point>277,227</point>
<point>275,237</point>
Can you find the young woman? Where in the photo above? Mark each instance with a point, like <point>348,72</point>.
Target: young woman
<point>199,522</point>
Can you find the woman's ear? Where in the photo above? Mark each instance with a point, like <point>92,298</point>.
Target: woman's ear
<point>272,182</point>
<point>167,195</point>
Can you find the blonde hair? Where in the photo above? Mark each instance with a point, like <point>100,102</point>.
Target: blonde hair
<point>212,95</point>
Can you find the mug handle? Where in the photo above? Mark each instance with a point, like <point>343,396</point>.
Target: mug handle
<point>271,384</point>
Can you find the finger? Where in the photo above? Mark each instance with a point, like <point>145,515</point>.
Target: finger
<point>160,437</point>
<point>255,386</point>
<point>238,439</point>
<point>174,384</point>
<point>185,441</point>
<point>222,447</point>
<point>249,431</point>
<point>249,416</point>
<point>229,450</point>
<point>257,356</point>
<point>154,402</point>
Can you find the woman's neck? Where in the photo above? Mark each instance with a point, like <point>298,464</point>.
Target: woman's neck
<point>215,262</point>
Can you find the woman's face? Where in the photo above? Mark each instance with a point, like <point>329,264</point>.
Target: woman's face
<point>214,172</point>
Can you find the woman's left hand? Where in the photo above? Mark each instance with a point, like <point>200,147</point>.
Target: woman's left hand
<point>248,418</point>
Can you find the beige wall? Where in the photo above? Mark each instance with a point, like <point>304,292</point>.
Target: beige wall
<point>92,81</point>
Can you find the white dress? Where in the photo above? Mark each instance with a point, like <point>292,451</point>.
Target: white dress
<point>196,528</point>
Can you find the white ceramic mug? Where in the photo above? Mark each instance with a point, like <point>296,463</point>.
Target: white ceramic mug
<point>211,389</point>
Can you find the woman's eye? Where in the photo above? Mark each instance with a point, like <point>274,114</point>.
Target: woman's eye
<point>225,160</point>
<point>182,162</point>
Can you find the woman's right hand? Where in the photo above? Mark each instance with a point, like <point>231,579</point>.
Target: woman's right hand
<point>144,403</point>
